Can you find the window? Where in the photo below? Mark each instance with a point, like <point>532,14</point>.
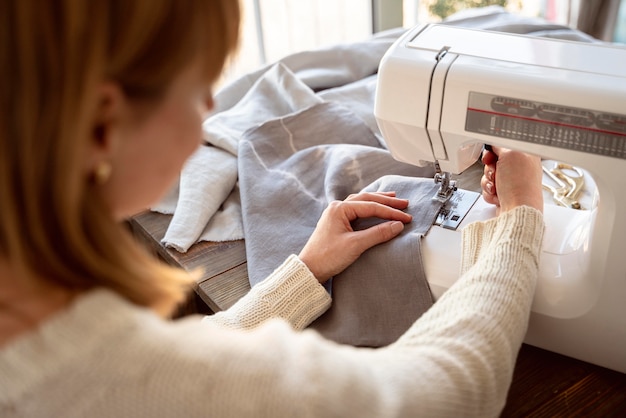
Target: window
<point>273,29</point>
<point>422,11</point>
<point>620,26</point>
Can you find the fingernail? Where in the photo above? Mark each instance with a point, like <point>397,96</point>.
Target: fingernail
<point>396,227</point>
<point>490,175</point>
<point>489,187</point>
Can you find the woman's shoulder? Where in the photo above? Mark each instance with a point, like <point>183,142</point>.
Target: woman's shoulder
<point>105,349</point>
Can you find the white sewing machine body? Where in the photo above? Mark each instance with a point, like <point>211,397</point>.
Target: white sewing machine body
<point>445,91</point>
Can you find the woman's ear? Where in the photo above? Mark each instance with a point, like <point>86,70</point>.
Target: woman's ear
<point>104,131</point>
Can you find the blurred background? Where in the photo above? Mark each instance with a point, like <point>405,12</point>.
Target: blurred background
<point>273,29</point>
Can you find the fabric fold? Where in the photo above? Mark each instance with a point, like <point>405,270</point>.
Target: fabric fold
<point>289,170</point>
<point>377,298</point>
<point>207,179</point>
<point>344,73</point>
<point>207,206</point>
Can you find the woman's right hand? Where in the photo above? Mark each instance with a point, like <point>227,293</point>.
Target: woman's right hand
<point>511,179</point>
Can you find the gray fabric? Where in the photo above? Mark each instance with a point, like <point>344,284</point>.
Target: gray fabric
<point>289,170</point>
<point>291,167</point>
<point>376,299</point>
<point>203,209</point>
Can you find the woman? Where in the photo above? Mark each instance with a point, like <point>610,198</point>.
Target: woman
<point>102,103</point>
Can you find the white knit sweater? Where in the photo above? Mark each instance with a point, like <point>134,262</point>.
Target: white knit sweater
<point>105,357</point>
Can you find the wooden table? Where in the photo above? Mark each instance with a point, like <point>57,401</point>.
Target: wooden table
<point>545,384</point>
<point>224,276</point>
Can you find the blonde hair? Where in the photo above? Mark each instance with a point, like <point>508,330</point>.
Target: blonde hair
<point>52,55</point>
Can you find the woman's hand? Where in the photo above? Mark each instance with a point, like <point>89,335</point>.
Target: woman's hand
<point>511,179</point>
<point>334,245</point>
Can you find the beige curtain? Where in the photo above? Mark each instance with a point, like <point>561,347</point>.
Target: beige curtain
<point>598,18</point>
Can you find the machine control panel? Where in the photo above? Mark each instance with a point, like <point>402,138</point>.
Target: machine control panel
<point>547,124</point>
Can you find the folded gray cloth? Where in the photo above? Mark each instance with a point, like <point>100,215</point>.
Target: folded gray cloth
<point>289,170</point>
<point>297,161</point>
<point>377,298</point>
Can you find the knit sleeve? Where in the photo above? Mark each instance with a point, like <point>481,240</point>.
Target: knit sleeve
<point>456,360</point>
<point>291,292</point>
<point>474,331</point>
<point>522,226</point>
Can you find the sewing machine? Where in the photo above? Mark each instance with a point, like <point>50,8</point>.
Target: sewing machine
<point>443,92</point>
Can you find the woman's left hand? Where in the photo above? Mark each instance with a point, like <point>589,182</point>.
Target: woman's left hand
<point>334,245</point>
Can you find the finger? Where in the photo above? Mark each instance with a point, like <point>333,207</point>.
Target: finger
<point>489,191</point>
<point>385,198</point>
<point>365,195</point>
<point>489,172</point>
<point>492,199</point>
<point>368,209</point>
<point>386,193</point>
<point>378,234</point>
<point>488,184</point>
<point>497,150</point>
<point>489,157</point>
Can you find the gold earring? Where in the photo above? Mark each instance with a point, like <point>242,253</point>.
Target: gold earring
<point>102,172</point>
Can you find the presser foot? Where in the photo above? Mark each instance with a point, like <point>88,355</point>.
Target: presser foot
<point>447,188</point>
<point>457,205</point>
